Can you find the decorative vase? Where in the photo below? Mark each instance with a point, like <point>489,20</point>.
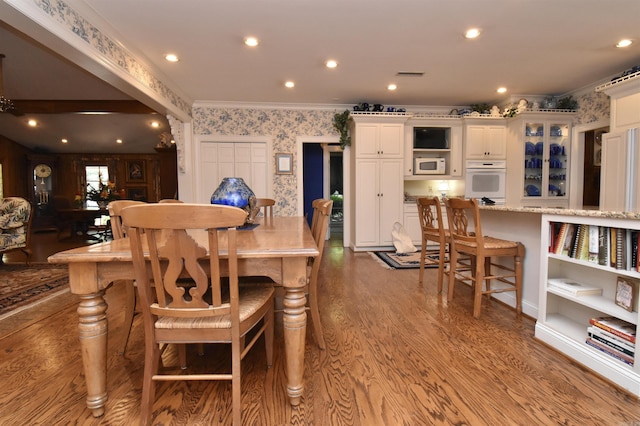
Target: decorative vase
<point>235,192</point>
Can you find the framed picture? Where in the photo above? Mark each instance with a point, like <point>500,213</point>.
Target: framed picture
<point>138,193</point>
<point>284,164</point>
<point>627,293</point>
<point>135,171</point>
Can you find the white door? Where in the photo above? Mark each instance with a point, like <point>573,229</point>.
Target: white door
<point>391,205</point>
<point>367,202</point>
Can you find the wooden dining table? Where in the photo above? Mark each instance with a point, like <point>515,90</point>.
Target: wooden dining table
<point>278,247</point>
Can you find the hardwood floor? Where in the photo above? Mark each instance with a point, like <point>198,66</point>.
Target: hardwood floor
<point>397,354</point>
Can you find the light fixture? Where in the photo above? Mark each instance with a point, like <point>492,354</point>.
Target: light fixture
<point>171,57</point>
<point>155,124</point>
<point>443,187</point>
<point>251,41</point>
<point>32,123</point>
<point>5,104</point>
<point>331,63</point>
<point>289,84</point>
<point>472,33</point>
<point>502,90</point>
<point>118,140</point>
<point>392,87</point>
<point>63,140</point>
<point>624,43</point>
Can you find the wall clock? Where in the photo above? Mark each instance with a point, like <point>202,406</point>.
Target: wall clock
<point>42,171</point>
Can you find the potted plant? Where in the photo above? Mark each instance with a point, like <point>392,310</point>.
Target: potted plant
<point>341,122</point>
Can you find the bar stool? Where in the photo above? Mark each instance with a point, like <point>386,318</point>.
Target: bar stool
<point>430,213</point>
<point>484,250</point>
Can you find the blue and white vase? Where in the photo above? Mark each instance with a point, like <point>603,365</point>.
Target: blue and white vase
<point>232,192</point>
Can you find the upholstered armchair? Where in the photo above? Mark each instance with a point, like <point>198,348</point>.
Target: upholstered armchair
<point>15,225</point>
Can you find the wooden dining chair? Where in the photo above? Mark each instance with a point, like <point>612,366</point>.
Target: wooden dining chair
<point>215,309</point>
<point>266,204</point>
<point>321,215</point>
<point>119,231</point>
<point>434,230</point>
<point>462,214</point>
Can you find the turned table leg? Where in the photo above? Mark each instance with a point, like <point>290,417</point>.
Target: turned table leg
<point>92,327</point>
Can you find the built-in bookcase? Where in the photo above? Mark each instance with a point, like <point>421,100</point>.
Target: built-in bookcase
<point>591,253</point>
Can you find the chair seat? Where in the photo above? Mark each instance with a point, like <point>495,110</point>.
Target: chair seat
<point>251,299</point>
<point>491,243</point>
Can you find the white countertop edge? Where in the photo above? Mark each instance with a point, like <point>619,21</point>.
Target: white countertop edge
<point>562,211</point>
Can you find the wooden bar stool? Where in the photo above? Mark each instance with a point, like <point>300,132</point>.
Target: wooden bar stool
<point>430,213</point>
<point>484,250</point>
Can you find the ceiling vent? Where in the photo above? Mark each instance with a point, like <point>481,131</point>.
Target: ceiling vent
<point>409,74</point>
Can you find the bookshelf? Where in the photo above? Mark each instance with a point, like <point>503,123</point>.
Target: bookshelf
<point>564,318</point>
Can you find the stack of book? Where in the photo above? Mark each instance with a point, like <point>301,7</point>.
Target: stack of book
<point>574,288</point>
<point>614,337</point>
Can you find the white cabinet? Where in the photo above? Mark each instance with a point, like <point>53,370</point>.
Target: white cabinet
<point>538,159</point>
<point>452,153</point>
<point>377,184</point>
<point>619,179</point>
<point>378,200</point>
<point>373,140</point>
<point>564,318</point>
<point>486,141</point>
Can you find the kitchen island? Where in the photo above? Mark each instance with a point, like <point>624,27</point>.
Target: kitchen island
<point>524,224</point>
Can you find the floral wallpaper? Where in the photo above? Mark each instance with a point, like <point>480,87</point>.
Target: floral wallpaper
<point>283,125</point>
<point>592,106</point>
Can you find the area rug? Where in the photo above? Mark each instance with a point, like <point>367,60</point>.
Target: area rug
<point>393,260</point>
<point>22,286</point>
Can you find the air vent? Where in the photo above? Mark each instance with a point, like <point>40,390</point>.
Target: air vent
<point>409,74</point>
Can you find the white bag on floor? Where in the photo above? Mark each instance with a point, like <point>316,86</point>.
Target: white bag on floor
<point>402,240</point>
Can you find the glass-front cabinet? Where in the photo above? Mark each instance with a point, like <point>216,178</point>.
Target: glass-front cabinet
<point>544,141</point>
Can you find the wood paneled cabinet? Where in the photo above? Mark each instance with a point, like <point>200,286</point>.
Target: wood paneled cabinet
<point>486,141</point>
<point>377,183</point>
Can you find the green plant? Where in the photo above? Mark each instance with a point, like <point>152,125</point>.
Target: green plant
<point>481,108</point>
<point>567,103</point>
<point>341,122</point>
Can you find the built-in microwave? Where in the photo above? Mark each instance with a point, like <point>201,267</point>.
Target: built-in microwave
<point>428,166</point>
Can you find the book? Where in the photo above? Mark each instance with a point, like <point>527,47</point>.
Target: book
<point>616,326</point>
<point>594,235</point>
<point>609,351</point>
<point>575,240</point>
<point>567,236</point>
<point>562,238</point>
<point>573,287</point>
<point>603,246</point>
<point>612,340</point>
<point>621,262</point>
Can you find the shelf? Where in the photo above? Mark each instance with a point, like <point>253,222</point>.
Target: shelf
<point>599,303</point>
<point>625,272</point>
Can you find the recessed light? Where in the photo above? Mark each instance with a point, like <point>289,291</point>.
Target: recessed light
<point>331,63</point>
<point>32,123</point>
<point>289,84</point>
<point>64,140</point>
<point>251,41</point>
<point>171,57</point>
<point>502,90</point>
<point>155,124</point>
<point>472,33</point>
<point>118,140</point>
<point>392,87</point>
<point>624,43</point>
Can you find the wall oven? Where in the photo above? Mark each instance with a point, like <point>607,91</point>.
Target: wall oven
<point>486,179</point>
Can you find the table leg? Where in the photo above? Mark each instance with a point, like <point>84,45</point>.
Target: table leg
<point>92,326</point>
<point>294,277</point>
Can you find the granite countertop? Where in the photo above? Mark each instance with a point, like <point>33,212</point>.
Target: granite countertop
<point>562,211</point>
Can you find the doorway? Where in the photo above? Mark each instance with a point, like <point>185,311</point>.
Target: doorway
<point>591,167</point>
<point>334,188</point>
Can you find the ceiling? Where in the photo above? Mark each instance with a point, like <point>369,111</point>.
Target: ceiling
<point>532,47</point>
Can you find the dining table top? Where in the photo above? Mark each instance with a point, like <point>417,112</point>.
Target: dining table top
<point>279,236</point>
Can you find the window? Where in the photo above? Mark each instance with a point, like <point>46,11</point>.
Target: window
<point>93,176</point>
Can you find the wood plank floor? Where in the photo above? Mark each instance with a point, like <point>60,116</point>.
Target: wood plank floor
<point>397,354</point>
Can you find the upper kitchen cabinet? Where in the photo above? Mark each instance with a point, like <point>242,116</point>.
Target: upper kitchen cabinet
<point>433,148</point>
<point>538,159</point>
<point>625,101</point>
<point>378,136</point>
<point>485,138</point>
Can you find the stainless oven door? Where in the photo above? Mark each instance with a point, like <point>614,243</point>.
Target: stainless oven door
<point>490,183</point>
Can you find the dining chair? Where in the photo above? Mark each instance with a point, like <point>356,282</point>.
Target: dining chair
<point>267,205</point>
<point>119,231</point>
<point>433,229</point>
<point>214,310</point>
<point>462,213</point>
<point>321,215</point>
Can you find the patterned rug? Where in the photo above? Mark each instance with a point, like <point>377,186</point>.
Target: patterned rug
<point>393,260</point>
<point>23,286</point>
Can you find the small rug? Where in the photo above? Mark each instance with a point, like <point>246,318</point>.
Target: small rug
<point>393,260</point>
<point>22,286</point>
